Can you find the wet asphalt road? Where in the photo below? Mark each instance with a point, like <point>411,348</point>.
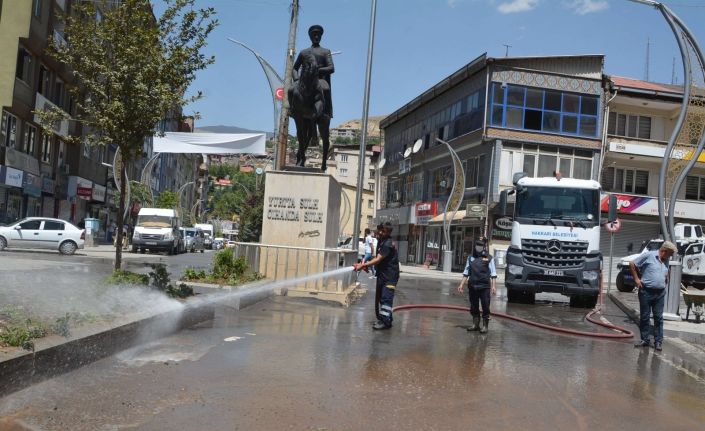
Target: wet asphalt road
<point>303,365</point>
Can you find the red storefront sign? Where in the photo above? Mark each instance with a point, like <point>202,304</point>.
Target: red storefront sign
<point>425,211</point>
<point>86,192</point>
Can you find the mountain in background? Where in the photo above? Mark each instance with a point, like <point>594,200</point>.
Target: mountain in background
<point>230,129</point>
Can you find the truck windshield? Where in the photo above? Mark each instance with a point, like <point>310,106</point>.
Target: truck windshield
<point>548,203</point>
<point>153,221</point>
<point>190,233</point>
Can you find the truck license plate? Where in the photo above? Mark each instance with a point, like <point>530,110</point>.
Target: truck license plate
<point>556,272</point>
<point>151,243</point>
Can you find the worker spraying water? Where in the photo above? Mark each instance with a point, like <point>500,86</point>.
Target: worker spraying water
<point>387,264</point>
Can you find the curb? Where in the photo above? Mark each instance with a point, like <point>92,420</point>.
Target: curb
<point>33,367</point>
<point>633,314</point>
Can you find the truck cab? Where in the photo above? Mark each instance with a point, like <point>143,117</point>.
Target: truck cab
<point>555,245</point>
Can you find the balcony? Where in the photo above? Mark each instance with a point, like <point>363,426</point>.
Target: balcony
<point>43,104</point>
<point>59,39</point>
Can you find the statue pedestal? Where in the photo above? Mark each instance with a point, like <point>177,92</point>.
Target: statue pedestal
<point>301,209</point>
<point>300,229</point>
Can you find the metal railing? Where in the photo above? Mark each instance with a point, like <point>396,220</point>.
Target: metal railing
<point>277,262</point>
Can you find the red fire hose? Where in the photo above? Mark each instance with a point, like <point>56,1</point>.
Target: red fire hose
<point>623,333</point>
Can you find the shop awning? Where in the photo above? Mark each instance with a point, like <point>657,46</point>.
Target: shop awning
<point>439,218</point>
<point>210,143</point>
<point>458,219</point>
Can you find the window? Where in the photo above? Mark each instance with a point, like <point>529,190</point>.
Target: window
<point>625,180</point>
<point>372,173</point>
<point>549,111</point>
<point>24,66</point>
<point>343,158</point>
<point>695,188</point>
<point>0,10</point>
<point>31,224</point>
<point>37,8</point>
<point>343,172</point>
<point>8,129</point>
<point>440,185</point>
<point>370,204</point>
<point>46,149</point>
<point>53,225</point>
<point>44,81</point>
<point>631,126</point>
<point>59,93</point>
<point>30,136</point>
<point>543,161</point>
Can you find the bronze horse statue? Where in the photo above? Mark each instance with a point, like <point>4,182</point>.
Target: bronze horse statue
<point>307,103</point>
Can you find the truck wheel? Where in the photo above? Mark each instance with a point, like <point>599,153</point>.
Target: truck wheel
<point>621,286</point>
<point>512,296</point>
<point>529,298</point>
<point>590,301</point>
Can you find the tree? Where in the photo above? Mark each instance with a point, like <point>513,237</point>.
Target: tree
<point>167,199</point>
<point>131,70</point>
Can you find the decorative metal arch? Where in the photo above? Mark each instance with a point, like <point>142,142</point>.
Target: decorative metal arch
<point>688,137</point>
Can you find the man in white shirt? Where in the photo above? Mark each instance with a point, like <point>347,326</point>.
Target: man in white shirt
<point>370,247</point>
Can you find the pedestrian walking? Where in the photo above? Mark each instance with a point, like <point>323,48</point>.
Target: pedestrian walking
<point>650,272</point>
<point>481,273</point>
<point>369,250</point>
<point>387,263</point>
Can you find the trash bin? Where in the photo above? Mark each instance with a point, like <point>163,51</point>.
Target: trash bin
<point>500,258</point>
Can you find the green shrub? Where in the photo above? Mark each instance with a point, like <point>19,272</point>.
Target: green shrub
<point>22,335</point>
<point>159,276</point>
<point>182,291</point>
<point>226,266</point>
<point>120,276</point>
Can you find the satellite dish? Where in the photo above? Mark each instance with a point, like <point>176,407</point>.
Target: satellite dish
<point>381,163</point>
<point>407,153</point>
<point>417,146</point>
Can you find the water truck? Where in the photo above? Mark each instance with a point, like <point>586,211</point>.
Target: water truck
<point>555,245</point>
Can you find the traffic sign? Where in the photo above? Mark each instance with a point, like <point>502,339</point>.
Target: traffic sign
<point>613,226</point>
<point>279,93</point>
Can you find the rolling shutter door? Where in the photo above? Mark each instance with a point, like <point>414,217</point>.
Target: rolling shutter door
<point>632,232</point>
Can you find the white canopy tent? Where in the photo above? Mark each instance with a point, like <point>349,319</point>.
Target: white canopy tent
<point>210,143</point>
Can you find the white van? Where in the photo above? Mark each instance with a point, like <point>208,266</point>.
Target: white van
<point>156,229</point>
<point>209,233</point>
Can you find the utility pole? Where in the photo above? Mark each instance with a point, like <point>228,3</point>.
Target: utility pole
<point>648,54</point>
<point>363,138</point>
<point>280,153</point>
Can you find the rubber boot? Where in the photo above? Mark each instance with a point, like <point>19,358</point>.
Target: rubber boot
<point>483,326</point>
<point>475,324</point>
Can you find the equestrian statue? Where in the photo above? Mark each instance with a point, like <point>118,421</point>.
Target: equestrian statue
<point>310,102</point>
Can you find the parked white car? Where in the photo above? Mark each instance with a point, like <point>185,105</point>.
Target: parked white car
<point>42,233</point>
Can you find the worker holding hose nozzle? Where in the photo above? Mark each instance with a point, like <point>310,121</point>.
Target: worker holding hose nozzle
<point>387,264</point>
<point>482,274</point>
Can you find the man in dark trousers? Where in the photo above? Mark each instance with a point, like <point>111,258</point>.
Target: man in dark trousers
<point>650,272</point>
<point>387,263</point>
<point>480,271</point>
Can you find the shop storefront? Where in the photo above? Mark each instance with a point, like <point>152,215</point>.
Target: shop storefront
<point>463,234</point>
<point>424,253</point>
<point>97,207</point>
<point>10,194</point>
<point>48,201</point>
<point>80,191</point>
<point>32,192</point>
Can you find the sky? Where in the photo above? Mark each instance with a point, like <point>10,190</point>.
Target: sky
<point>420,42</point>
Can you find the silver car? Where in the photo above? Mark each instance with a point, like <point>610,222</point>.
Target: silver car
<point>194,239</point>
<point>43,233</point>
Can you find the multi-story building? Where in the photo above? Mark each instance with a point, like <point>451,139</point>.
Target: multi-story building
<point>641,119</point>
<point>500,115</point>
<point>43,174</point>
<point>344,168</point>
<point>47,175</point>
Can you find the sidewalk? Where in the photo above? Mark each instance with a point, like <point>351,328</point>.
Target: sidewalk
<point>437,274</point>
<point>106,254</point>
<point>688,331</point>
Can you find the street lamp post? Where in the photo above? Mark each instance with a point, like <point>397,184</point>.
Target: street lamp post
<point>453,203</point>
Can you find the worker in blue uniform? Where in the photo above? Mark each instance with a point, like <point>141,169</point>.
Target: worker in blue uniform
<point>387,264</point>
<point>481,273</point>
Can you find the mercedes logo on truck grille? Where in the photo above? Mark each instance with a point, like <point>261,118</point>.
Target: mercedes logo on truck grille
<point>553,246</point>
